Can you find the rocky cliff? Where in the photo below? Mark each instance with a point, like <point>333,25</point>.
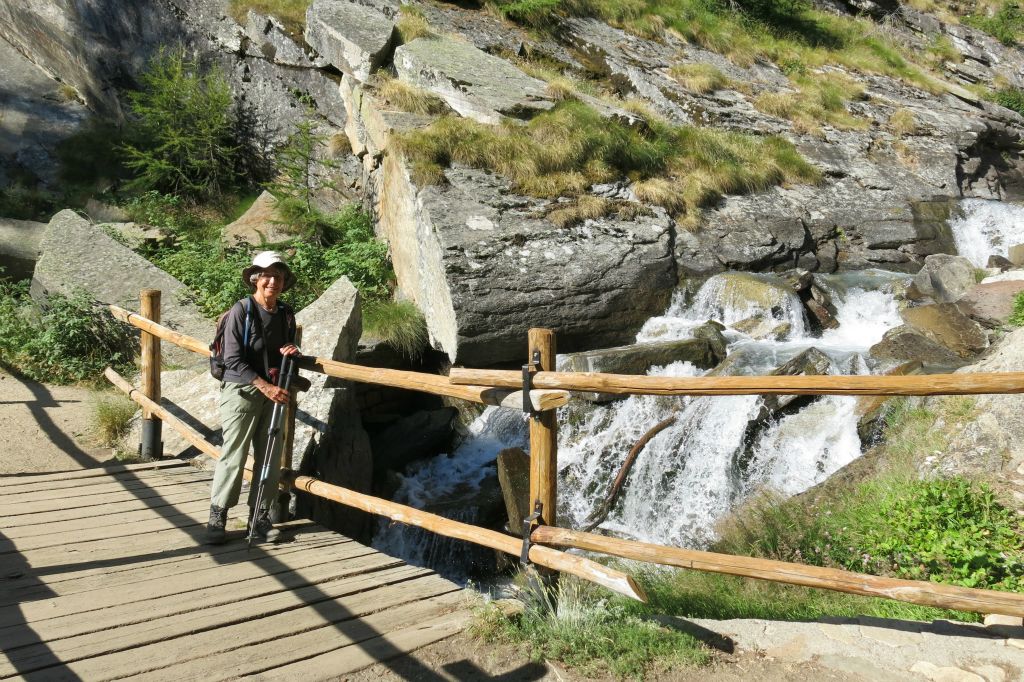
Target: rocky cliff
<point>485,260</point>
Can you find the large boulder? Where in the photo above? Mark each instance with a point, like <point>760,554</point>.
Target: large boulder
<point>74,254</point>
<point>755,304</point>
<point>990,440</point>
<point>473,83</point>
<point>991,304</point>
<point>19,247</point>
<point>904,344</point>
<point>261,224</point>
<point>945,278</point>
<point>637,359</point>
<point>946,324</point>
<point>353,37</point>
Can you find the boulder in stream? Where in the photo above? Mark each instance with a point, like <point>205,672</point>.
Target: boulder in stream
<point>944,278</point>
<point>947,325</point>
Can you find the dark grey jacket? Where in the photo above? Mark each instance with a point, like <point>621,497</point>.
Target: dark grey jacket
<point>242,365</point>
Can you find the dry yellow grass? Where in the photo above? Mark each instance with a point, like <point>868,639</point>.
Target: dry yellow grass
<point>902,122</point>
<point>699,78</point>
<point>406,97</point>
<point>586,207</point>
<point>412,24</point>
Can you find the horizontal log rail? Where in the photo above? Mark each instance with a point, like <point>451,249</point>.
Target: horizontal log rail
<point>436,384</point>
<point>927,384</point>
<point>913,591</point>
<point>582,567</point>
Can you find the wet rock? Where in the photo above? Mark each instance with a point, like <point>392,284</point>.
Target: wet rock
<point>711,332</point>
<point>261,224</point>
<point>991,304</point>
<point>514,478</point>
<point>946,324</point>
<point>19,247</point>
<point>997,262</point>
<point>472,82</point>
<point>871,409</point>
<point>945,278</point>
<point>74,253</point>
<point>352,37</point>
<point>904,343</point>
<point>418,436</point>
<point>637,359</point>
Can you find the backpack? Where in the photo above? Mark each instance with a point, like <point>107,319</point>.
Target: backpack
<point>217,365</point>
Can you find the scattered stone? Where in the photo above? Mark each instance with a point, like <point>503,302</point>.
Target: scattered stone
<point>947,325</point>
<point>261,224</point>
<point>945,278</point>
<point>473,83</point>
<point>354,38</point>
<point>19,247</point>
<point>711,331</point>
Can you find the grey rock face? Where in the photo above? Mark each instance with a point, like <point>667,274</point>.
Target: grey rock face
<point>991,304</point>
<point>260,224</point>
<point>354,38</point>
<point>507,270</point>
<point>75,254</point>
<point>472,82</point>
<point>945,278</point>
<point>946,324</point>
<point>271,39</point>
<point>904,344</point>
<point>19,247</point>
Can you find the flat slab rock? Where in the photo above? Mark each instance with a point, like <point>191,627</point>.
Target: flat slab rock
<point>354,38</point>
<point>472,82</point>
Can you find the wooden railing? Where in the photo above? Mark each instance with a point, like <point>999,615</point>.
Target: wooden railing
<point>546,390</point>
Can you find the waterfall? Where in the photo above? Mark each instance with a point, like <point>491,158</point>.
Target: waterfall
<point>693,472</point>
<point>987,228</point>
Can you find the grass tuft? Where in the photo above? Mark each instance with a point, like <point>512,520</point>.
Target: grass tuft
<point>112,415</point>
<point>407,97</point>
<point>400,324</point>
<point>586,207</point>
<point>291,13</point>
<point>1017,316</point>
<point>902,122</point>
<point>412,24</point>
<point>700,78</point>
<point>564,151</point>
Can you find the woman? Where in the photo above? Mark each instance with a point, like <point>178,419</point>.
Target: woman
<point>248,393</point>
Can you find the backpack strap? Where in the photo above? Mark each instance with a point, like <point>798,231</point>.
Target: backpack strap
<point>248,315</point>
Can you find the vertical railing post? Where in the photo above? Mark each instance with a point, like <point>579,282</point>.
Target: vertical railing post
<point>151,446</point>
<point>544,434</point>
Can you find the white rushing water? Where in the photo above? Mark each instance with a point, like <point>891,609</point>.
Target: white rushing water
<point>697,469</point>
<point>987,228</point>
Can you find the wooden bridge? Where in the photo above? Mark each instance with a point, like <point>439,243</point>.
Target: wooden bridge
<point>103,575</point>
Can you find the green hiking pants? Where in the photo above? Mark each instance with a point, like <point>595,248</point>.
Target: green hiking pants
<point>245,417</point>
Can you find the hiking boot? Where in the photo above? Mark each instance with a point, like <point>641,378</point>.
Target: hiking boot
<point>264,530</point>
<point>215,527</point>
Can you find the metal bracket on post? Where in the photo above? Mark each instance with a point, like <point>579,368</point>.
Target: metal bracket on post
<point>528,385</point>
<point>524,556</point>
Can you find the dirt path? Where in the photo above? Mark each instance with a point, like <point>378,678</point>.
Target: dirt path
<point>45,428</point>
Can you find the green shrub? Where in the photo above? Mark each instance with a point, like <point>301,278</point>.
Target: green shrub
<point>181,139</point>
<point>23,202</point>
<point>71,339</point>
<point>1011,98</point>
<point>1006,25</point>
<point>1017,316</point>
<point>168,212</point>
<point>91,155</point>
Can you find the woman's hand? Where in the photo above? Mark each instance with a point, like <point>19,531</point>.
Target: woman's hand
<point>291,349</point>
<point>273,393</point>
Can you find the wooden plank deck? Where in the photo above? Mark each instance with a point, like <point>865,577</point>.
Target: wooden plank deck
<point>103,575</point>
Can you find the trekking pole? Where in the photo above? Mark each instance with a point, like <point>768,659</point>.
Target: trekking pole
<point>284,380</point>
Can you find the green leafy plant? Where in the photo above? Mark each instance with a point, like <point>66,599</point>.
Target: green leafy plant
<point>70,339</point>
<point>181,137</point>
<point>1005,25</point>
<point>1017,316</point>
<point>1011,98</point>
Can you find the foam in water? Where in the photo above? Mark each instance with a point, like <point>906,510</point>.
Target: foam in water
<point>693,472</point>
<point>987,228</point>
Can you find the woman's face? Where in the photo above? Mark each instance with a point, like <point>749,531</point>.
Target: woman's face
<point>270,282</point>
